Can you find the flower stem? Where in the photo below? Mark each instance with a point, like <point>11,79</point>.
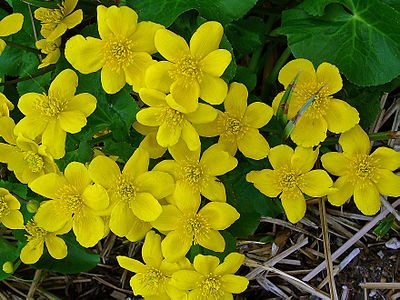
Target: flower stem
<point>19,46</point>
<point>41,72</point>
<point>379,136</point>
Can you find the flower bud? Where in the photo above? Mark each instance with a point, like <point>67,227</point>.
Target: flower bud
<point>32,206</point>
<point>8,267</point>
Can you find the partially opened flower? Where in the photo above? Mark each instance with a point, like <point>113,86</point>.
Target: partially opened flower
<point>51,49</point>
<point>172,124</point>
<point>238,126</point>
<point>325,112</point>
<point>185,225</point>
<point>362,174</point>
<point>9,25</point>
<point>210,279</point>
<point>291,177</point>
<point>55,114</point>
<point>74,198</point>
<point>122,52</point>
<point>38,237</point>
<point>5,105</point>
<point>55,22</point>
<point>10,215</point>
<point>191,72</point>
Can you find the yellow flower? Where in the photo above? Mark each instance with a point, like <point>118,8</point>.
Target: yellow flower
<point>184,226</point>
<point>191,72</point>
<point>133,193</point>
<point>122,53</point>
<point>73,198</point>
<point>360,174</point>
<point>210,279</point>
<point>152,279</point>
<point>9,25</point>
<point>149,143</point>
<point>37,238</point>
<point>24,157</point>
<point>291,178</point>
<point>51,49</point>
<point>238,125</point>
<point>172,124</point>
<point>55,22</point>
<point>10,216</point>
<point>55,114</point>
<point>325,112</point>
<point>195,175</point>
<point>5,105</point>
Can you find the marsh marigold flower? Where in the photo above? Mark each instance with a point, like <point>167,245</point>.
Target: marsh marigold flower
<point>9,25</point>
<point>362,174</point>
<point>134,193</point>
<point>37,238</point>
<point>185,225</point>
<point>55,22</point>
<point>122,52</point>
<point>196,176</point>
<point>238,126</point>
<point>152,279</point>
<point>325,112</point>
<point>291,177</point>
<point>55,114</point>
<point>51,49</point>
<point>23,156</point>
<point>172,124</point>
<point>191,72</point>
<point>74,198</point>
<point>10,215</point>
<point>210,279</point>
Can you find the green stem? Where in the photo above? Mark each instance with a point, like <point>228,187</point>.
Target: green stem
<point>19,46</point>
<point>379,136</point>
<point>41,72</point>
<point>255,58</point>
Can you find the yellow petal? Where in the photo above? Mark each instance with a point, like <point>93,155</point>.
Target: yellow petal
<point>88,228</point>
<point>143,37</point>
<point>122,20</point>
<point>73,19</point>
<point>294,204</point>
<point>95,196</point>
<point>85,54</point>
<point>152,97</point>
<point>219,215</point>
<point>54,139</point>
<point>232,262</point>
<point>85,103</point>
<point>367,198</point>
<point>253,145</point>
<point>205,264</point>
<point>77,175</point>
<point>280,156</point>
<point>335,163</point>
<point>50,217</point>
<point>56,246</point>
<point>345,190</point>
<point>151,250</point>
<point>138,230</point>
<point>104,31</point>
<point>175,246</point>
<point>13,220</point>
<point>130,264</point>
<point>3,45</point>
<point>103,170</point>
<point>121,219</point>
<point>206,39</point>
<point>217,162</point>
<point>11,24</point>
<point>32,251</point>
<point>48,185</point>
<point>213,240</point>
<point>203,114</point>
<point>26,103</point>
<point>135,71</point>
<point>329,74</point>
<point>180,152</point>
<point>213,89</point>
<point>258,114</point>
<point>210,129</point>
<point>59,88</point>
<point>112,80</point>
<point>387,158</point>
<point>57,32</point>
<point>234,283</point>
<point>137,164</point>
<point>146,207</point>
<point>309,132</point>
<point>276,101</point>
<point>6,153</point>
<point>31,126</point>
<point>340,116</point>
<point>157,76</point>
<point>303,159</point>
<point>168,220</point>
<point>236,100</point>
<point>316,183</point>
<point>186,279</point>
<point>150,116</point>
<point>159,184</point>
<point>170,45</point>
<point>190,136</point>
<point>187,200</point>
<point>214,190</point>
<point>216,62</point>
<point>168,135</point>
<point>72,121</point>
<point>387,182</point>
<point>69,6</point>
<point>347,139</point>
<point>186,94</point>
<point>266,181</point>
<point>290,70</point>
<point>7,126</point>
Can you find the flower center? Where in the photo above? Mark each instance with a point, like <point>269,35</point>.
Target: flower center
<point>363,167</point>
<point>196,226</point>
<point>4,210</point>
<point>35,232</point>
<point>126,189</point>
<point>188,68</point>
<point>288,179</point>
<point>118,53</point>
<point>70,198</point>
<point>50,106</point>
<point>192,173</point>
<point>47,16</point>
<point>171,116</point>
<point>318,106</point>
<point>153,280</point>
<point>211,287</point>
<point>34,161</point>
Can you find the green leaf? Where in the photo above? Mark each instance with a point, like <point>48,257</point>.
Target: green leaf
<point>8,252</point>
<point>83,154</point>
<point>166,11</point>
<point>78,259</point>
<point>247,77</point>
<point>15,188</point>
<point>359,39</point>
<point>316,7</point>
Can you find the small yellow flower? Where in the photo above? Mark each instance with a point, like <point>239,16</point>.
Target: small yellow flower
<point>37,238</point>
<point>10,216</point>
<point>184,226</point>
<point>122,53</point>
<point>51,49</point>
<point>55,22</point>
<point>55,114</point>
<point>360,174</point>
<point>325,112</point>
<point>238,126</point>
<point>172,124</point>
<point>210,279</point>
<point>23,156</point>
<point>196,176</point>
<point>74,198</point>
<point>9,25</point>
<point>291,177</point>
<point>5,105</point>
<point>191,72</point>
<point>133,193</point>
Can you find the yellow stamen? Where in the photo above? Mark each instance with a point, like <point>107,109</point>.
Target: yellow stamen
<point>4,209</point>
<point>211,287</point>
<point>192,173</point>
<point>196,226</point>
<point>70,199</point>
<point>35,232</point>
<point>51,105</point>
<point>126,188</point>
<point>288,178</point>
<point>187,68</point>
<point>362,168</point>
<point>171,117</point>
<point>318,107</point>
<point>119,53</point>
<point>34,161</point>
<point>231,127</point>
